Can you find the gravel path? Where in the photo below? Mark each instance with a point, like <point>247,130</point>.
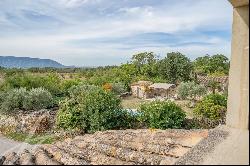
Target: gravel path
<point>7,145</point>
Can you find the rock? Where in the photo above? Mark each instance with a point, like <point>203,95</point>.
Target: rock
<point>168,161</point>
<point>8,124</point>
<point>41,158</point>
<point>28,122</point>
<point>42,124</point>
<point>26,158</point>
<point>2,159</point>
<point>11,159</point>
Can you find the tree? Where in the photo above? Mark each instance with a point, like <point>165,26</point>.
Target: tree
<point>190,90</point>
<point>176,67</point>
<point>219,63</point>
<point>125,74</point>
<point>201,65</point>
<point>145,63</point>
<point>215,65</point>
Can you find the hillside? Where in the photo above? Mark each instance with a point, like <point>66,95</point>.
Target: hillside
<point>26,62</point>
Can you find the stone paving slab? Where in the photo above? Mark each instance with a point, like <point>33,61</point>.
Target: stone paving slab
<point>223,146</point>
<point>234,150</point>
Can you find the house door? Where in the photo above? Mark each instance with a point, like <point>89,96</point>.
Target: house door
<point>138,92</point>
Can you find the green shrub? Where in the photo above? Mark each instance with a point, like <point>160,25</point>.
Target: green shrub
<point>13,99</point>
<point>91,109</point>
<point>11,72</point>
<point>118,88</point>
<point>76,90</point>
<point>162,115</point>
<point>120,119</point>
<point>217,99</point>
<point>23,99</point>
<point>2,97</point>
<point>208,109</point>
<point>212,106</point>
<point>50,82</point>
<point>98,80</point>
<point>37,99</point>
<point>67,84</point>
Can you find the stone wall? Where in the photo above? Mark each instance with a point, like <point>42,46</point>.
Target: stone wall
<point>238,90</point>
<point>28,122</point>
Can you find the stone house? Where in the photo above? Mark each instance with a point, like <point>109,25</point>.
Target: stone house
<point>147,89</point>
<point>162,90</point>
<point>140,89</point>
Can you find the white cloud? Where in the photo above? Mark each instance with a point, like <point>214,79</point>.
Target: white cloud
<point>97,19</point>
<point>73,3</point>
<point>143,11</point>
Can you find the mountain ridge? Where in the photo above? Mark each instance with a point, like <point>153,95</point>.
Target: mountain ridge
<point>28,62</point>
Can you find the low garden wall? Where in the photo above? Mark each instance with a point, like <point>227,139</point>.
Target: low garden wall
<point>28,122</point>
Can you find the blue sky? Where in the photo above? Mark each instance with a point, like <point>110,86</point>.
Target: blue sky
<point>109,32</point>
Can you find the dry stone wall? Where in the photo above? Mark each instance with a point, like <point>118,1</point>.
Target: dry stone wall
<point>28,122</point>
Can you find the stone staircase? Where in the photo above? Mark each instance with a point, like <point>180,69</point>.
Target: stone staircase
<point>114,147</point>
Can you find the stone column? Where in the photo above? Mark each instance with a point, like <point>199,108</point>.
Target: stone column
<point>238,90</point>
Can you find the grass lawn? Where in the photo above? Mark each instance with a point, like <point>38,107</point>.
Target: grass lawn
<point>131,102</point>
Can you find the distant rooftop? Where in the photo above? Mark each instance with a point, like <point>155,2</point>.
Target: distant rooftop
<point>141,83</point>
<point>161,86</point>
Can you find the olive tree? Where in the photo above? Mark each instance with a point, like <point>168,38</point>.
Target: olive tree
<point>190,90</point>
